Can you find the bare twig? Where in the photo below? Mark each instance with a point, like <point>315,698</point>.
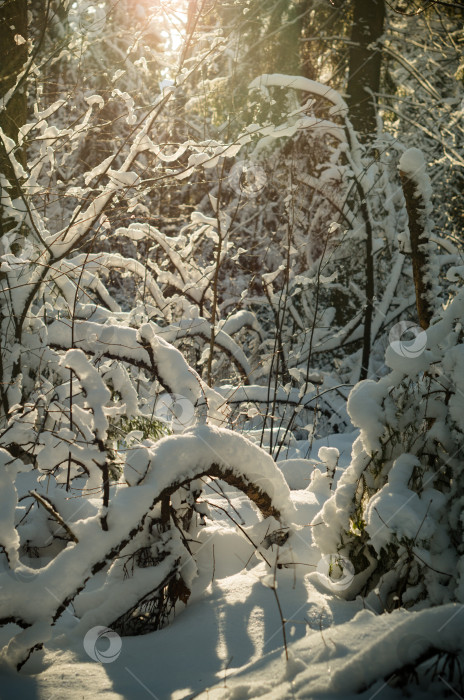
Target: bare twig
<point>50,508</point>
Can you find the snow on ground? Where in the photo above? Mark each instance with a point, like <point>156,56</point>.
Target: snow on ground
<point>228,642</point>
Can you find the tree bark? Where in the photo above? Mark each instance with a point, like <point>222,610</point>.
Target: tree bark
<point>420,253</point>
<point>365,59</point>
<point>13,52</point>
<point>13,47</point>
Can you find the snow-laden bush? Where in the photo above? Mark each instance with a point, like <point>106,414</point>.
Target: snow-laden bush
<point>136,533</point>
<point>397,510</point>
<point>334,276</point>
<point>87,487</point>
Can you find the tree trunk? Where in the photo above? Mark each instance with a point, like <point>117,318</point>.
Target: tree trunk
<point>13,51</point>
<point>420,252</point>
<point>365,63</point>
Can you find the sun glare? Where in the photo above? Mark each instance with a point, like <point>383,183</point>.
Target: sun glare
<point>166,19</point>
<point>175,14</point>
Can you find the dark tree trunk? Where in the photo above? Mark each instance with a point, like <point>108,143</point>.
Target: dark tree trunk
<point>13,35</point>
<point>13,52</point>
<point>420,253</point>
<point>365,63</point>
<point>286,25</point>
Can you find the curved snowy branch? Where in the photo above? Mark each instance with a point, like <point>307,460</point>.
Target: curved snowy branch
<point>298,82</point>
<point>142,348</point>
